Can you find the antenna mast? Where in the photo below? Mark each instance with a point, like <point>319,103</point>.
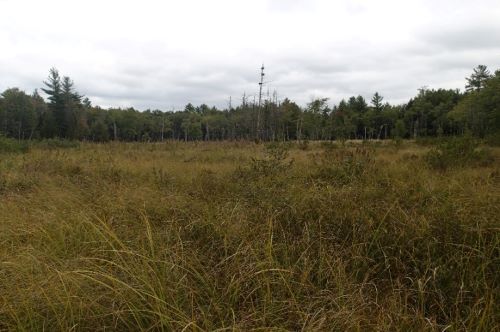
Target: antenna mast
<point>261,83</point>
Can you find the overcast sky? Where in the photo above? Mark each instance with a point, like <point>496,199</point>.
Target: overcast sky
<point>164,54</point>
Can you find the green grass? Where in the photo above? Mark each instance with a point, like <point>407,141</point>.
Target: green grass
<point>243,236</point>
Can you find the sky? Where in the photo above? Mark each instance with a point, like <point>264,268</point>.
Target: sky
<point>164,54</point>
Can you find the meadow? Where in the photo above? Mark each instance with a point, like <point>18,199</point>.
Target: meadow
<point>240,236</point>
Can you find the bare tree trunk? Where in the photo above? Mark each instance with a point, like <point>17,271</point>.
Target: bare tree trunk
<point>299,130</point>
<point>380,131</point>
<point>162,128</point>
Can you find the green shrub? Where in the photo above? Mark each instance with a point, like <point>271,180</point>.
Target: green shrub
<point>57,143</point>
<point>428,141</point>
<point>458,152</point>
<point>397,142</point>
<point>493,140</point>
<point>10,145</point>
<point>343,166</point>
<point>274,162</point>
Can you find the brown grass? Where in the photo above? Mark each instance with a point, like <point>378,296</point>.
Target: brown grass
<point>236,236</point>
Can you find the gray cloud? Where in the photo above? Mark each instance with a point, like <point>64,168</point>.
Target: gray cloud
<point>157,54</point>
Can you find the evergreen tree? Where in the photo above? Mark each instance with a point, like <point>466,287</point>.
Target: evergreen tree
<point>377,102</point>
<point>74,118</point>
<point>478,78</point>
<point>53,88</point>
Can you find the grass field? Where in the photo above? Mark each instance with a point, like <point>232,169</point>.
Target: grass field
<point>244,236</point>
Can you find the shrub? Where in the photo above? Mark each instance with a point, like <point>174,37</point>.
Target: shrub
<point>10,145</point>
<point>428,141</point>
<point>397,142</point>
<point>343,166</point>
<point>458,152</point>
<point>57,143</point>
<point>493,140</point>
<point>274,162</point>
<point>263,182</point>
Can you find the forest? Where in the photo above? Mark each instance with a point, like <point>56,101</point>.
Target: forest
<point>67,114</point>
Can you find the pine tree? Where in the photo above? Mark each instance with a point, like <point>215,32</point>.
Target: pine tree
<point>56,104</point>
<point>478,78</point>
<point>72,102</point>
<point>377,101</point>
<point>53,85</point>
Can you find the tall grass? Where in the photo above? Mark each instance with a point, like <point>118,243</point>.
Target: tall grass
<point>243,236</point>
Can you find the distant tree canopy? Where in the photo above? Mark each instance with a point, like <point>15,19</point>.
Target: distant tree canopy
<point>67,114</point>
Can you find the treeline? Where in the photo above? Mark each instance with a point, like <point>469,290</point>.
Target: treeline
<point>69,115</point>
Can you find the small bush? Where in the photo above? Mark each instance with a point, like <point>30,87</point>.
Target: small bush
<point>343,166</point>
<point>397,142</point>
<point>57,143</point>
<point>275,161</point>
<point>493,140</point>
<point>458,152</point>
<point>10,145</point>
